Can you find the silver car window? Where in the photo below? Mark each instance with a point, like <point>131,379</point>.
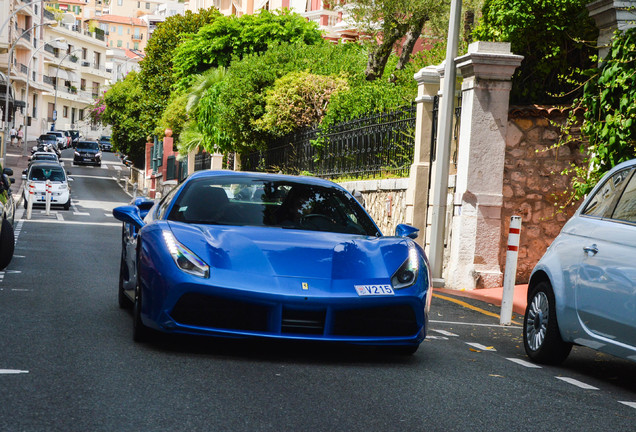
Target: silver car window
<point>602,203</point>
<point>626,207</point>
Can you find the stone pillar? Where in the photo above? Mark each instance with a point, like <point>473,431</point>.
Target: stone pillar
<point>611,15</point>
<point>191,157</point>
<point>476,235</point>
<point>216,162</point>
<point>417,192</point>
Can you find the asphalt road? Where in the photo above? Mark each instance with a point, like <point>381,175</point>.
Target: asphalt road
<point>68,362</point>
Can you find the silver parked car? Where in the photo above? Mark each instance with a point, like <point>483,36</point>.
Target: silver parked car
<point>583,290</point>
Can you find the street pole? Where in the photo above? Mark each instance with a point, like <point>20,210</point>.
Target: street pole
<point>442,154</point>
<point>26,108</point>
<point>9,64</point>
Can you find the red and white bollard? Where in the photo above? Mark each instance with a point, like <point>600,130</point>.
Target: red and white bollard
<point>48,191</point>
<point>510,273</point>
<point>30,199</point>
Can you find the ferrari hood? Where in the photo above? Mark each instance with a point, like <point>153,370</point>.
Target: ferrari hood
<point>293,253</point>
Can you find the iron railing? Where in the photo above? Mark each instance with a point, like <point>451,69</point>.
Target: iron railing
<point>366,147</point>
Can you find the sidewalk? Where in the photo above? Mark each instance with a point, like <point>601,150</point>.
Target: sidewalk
<point>492,295</point>
<point>17,163</point>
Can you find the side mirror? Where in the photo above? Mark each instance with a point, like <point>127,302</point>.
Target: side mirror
<point>70,179</point>
<point>24,177</point>
<point>129,214</point>
<point>404,230</point>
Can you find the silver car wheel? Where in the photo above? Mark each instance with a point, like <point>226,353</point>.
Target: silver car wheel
<point>537,321</point>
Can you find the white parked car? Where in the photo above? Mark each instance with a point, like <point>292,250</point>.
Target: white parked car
<point>37,174</point>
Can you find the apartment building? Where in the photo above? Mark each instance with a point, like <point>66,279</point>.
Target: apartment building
<point>56,71</point>
<point>123,31</point>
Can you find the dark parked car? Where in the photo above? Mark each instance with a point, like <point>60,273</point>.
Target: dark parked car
<point>582,291</point>
<point>7,212</point>
<point>47,139</point>
<point>87,152</point>
<point>104,143</point>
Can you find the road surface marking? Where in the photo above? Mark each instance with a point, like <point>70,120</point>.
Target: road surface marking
<point>436,337</point>
<point>118,224</point>
<point>524,363</point>
<point>445,333</point>
<point>473,324</point>
<point>469,306</point>
<point>12,371</point>
<point>577,383</point>
<point>480,346</point>
<point>629,404</point>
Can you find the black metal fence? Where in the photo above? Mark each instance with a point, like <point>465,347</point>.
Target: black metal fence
<point>363,147</point>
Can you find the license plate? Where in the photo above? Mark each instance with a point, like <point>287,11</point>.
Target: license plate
<point>374,290</point>
<point>87,159</point>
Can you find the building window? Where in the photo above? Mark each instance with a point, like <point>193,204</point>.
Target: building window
<point>49,113</point>
<point>98,59</point>
<point>65,111</point>
<point>34,106</point>
<point>128,45</point>
<point>113,29</point>
<point>138,5</point>
<point>147,5</point>
<point>119,44</point>
<point>136,45</point>
<point>120,30</point>
<point>80,114</point>
<point>84,53</point>
<point>120,2</point>
<point>82,84</point>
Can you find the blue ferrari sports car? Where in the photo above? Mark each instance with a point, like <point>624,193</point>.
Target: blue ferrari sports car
<point>236,254</point>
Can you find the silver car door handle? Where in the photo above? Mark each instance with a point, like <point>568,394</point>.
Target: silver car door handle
<point>591,250</point>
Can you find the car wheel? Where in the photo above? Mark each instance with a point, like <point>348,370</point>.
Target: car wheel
<point>124,301</point>
<point>141,333</point>
<point>541,336</point>
<point>68,204</point>
<point>7,241</point>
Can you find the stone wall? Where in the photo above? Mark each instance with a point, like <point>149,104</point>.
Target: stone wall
<point>384,200</point>
<point>533,186</point>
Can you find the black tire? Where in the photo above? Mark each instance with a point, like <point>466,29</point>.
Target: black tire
<point>68,204</point>
<point>141,333</point>
<point>7,241</point>
<point>124,301</point>
<point>541,336</point>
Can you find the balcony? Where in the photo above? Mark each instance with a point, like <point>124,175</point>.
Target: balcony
<point>137,37</point>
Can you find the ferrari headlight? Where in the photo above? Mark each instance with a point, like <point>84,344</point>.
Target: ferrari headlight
<point>406,275</point>
<point>185,259</point>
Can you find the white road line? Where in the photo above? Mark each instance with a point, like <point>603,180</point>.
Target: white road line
<point>629,404</point>
<point>476,324</point>
<point>12,371</point>
<point>523,363</point>
<point>108,214</point>
<point>117,224</point>
<point>436,337</point>
<point>445,333</point>
<point>480,346</point>
<point>577,383</point>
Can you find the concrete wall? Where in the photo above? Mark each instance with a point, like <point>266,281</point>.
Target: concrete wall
<point>384,200</point>
<point>533,183</point>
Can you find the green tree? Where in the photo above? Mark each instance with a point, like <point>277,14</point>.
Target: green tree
<point>609,119</point>
<point>124,106</point>
<point>229,36</point>
<point>156,75</point>
<point>391,23</point>
<point>298,99</point>
<point>554,36</point>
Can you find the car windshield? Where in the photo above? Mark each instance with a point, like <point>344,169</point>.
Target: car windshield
<point>105,138</point>
<point>48,137</point>
<point>88,146</point>
<point>265,203</point>
<point>44,173</point>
